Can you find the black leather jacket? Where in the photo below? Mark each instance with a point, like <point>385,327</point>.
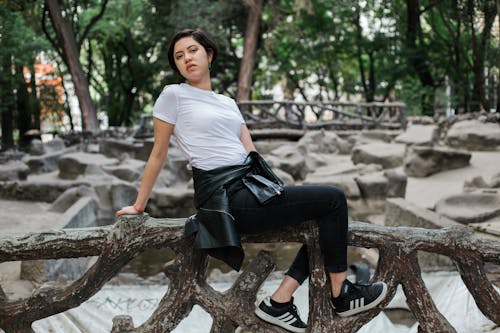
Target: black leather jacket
<point>213,224</point>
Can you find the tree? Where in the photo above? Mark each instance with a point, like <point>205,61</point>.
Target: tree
<point>250,49</point>
<point>69,49</point>
<point>122,60</point>
<point>19,105</point>
<point>225,21</point>
<point>469,26</point>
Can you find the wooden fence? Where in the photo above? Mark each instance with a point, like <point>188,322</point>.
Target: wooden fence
<point>334,115</point>
<point>117,244</point>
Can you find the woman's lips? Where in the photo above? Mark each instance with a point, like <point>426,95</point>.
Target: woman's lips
<point>189,67</point>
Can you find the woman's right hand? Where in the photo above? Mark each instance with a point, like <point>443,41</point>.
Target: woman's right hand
<point>129,210</point>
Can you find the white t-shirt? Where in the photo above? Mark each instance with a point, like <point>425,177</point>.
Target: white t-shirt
<point>207,125</point>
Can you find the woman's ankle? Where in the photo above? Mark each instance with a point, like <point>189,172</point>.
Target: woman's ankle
<point>337,280</point>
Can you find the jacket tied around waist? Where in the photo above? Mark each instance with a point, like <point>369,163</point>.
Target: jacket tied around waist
<point>213,224</point>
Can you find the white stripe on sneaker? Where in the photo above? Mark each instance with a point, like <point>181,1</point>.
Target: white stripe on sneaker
<point>353,310</point>
<point>290,320</point>
<point>357,303</point>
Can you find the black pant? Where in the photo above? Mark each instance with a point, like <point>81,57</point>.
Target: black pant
<point>325,204</point>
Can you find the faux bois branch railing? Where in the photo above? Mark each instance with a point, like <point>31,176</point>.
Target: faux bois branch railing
<point>310,115</point>
<point>116,244</point>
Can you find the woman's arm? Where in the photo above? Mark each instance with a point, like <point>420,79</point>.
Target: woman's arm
<point>163,132</point>
<point>246,139</point>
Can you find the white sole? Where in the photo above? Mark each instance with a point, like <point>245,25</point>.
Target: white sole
<point>373,304</point>
<point>270,319</point>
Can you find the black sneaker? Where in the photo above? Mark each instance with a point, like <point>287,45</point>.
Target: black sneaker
<point>288,317</point>
<point>356,298</point>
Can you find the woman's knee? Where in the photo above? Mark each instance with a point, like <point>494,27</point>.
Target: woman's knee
<point>337,195</point>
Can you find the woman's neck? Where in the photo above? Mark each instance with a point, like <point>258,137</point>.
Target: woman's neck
<point>204,84</point>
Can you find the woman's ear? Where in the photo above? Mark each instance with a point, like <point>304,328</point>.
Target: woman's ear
<point>210,54</point>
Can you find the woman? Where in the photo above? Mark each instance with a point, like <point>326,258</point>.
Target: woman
<point>237,193</point>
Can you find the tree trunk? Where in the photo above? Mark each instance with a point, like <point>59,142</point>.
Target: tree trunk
<point>7,130</point>
<point>479,49</point>
<point>418,58</point>
<point>24,108</point>
<point>71,54</point>
<point>359,51</point>
<point>7,103</point>
<point>250,49</point>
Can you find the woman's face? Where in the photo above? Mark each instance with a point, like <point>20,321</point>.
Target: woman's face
<point>191,59</point>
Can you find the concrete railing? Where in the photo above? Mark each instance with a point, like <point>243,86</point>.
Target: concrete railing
<point>117,244</point>
<point>315,115</point>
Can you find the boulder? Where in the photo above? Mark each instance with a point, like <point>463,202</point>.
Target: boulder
<point>474,135</point>
<point>325,142</point>
<point>36,147</point>
<point>54,145</point>
<point>373,186</point>
<point>386,154</point>
<point>341,172</point>
<point>69,197</point>
<point>332,164</point>
<point>122,195</point>
<point>425,161</point>
<point>143,149</point>
<point>129,169</point>
<point>75,164</point>
<point>284,176</point>
<point>470,207</point>
<point>400,212</point>
<point>14,170</point>
<point>177,164</point>
<point>11,155</point>
<point>397,181</point>
<point>267,146</point>
<point>115,147</point>
<point>495,181</point>
<point>290,160</point>
<point>419,135</point>
<point>315,161</point>
<point>47,162</point>
<point>476,182</point>
<point>174,201</point>
<point>345,182</point>
<point>45,191</point>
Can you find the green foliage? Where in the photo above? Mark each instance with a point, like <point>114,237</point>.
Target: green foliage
<point>19,46</point>
<point>224,21</point>
<point>321,49</point>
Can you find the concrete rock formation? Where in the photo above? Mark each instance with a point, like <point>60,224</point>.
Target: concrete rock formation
<point>100,174</point>
<point>388,155</point>
<point>470,207</point>
<point>425,161</point>
<point>474,135</point>
<point>13,170</point>
<point>76,164</point>
<point>419,135</point>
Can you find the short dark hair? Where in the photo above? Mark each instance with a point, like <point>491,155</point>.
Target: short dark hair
<point>198,35</point>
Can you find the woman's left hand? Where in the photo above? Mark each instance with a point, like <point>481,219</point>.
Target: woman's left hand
<point>128,210</point>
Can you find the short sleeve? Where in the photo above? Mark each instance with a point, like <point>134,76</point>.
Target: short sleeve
<point>238,112</point>
<point>165,107</point>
